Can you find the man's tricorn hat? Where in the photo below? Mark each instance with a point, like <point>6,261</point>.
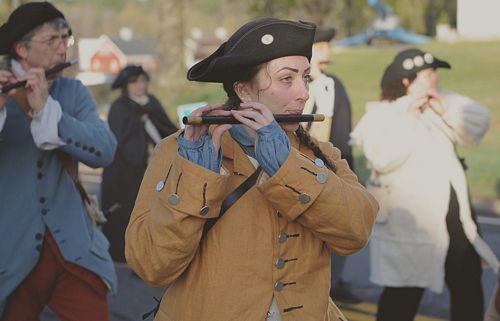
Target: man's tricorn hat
<point>254,43</point>
<point>407,63</point>
<point>24,19</point>
<point>324,35</point>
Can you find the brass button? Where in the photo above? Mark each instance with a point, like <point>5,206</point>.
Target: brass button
<point>319,162</point>
<point>304,198</point>
<point>282,237</point>
<point>280,263</point>
<point>279,286</point>
<point>160,186</point>
<point>173,199</point>
<point>321,178</point>
<point>204,210</point>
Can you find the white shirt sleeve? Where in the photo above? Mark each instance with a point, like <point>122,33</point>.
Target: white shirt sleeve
<point>44,125</point>
<point>467,118</point>
<point>3,116</point>
<point>151,129</point>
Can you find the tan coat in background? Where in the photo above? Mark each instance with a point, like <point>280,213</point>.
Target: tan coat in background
<point>232,273</point>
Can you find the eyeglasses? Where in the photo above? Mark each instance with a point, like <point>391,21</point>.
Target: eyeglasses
<point>55,41</point>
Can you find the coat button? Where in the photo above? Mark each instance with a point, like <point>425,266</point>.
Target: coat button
<point>91,149</point>
<point>204,210</point>
<point>160,186</point>
<point>39,175</point>
<point>38,236</point>
<point>321,178</point>
<point>39,164</point>
<point>77,144</point>
<point>304,198</point>
<point>69,140</point>
<point>42,200</point>
<point>39,247</point>
<point>282,237</point>
<point>173,199</point>
<point>319,162</point>
<point>98,153</point>
<point>280,263</point>
<point>279,286</point>
<point>44,211</point>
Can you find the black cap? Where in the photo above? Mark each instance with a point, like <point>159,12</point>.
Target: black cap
<point>322,35</point>
<point>24,19</point>
<point>408,62</point>
<point>126,73</point>
<point>254,43</point>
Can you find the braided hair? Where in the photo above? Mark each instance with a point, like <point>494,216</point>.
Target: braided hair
<point>244,75</point>
<point>307,140</point>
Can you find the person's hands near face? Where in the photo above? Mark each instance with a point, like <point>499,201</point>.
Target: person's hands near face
<point>436,101</point>
<point>254,115</point>
<point>6,78</point>
<point>418,105</point>
<point>194,132</point>
<point>37,88</point>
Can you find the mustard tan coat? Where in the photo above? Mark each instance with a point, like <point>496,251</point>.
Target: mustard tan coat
<point>231,274</point>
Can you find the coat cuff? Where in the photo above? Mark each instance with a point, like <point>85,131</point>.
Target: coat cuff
<point>296,185</point>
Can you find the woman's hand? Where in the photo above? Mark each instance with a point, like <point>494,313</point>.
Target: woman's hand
<point>254,115</point>
<point>436,101</point>
<point>418,105</point>
<point>194,132</point>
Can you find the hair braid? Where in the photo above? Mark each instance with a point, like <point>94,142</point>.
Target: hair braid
<point>305,139</point>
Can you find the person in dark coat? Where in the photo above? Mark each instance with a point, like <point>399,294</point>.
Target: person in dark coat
<point>328,96</point>
<point>138,121</point>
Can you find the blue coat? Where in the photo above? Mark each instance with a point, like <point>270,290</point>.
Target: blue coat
<point>36,191</point>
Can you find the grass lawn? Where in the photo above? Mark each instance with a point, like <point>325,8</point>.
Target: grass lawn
<point>475,73</point>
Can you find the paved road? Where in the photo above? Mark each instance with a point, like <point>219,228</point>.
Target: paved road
<point>136,298</point>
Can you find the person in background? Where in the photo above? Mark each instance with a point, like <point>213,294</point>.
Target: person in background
<point>52,254</point>
<point>327,95</point>
<point>139,122</point>
<point>425,235</point>
<point>240,220</point>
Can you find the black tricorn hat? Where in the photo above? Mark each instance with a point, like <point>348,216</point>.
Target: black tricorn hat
<point>24,19</point>
<point>323,35</point>
<point>254,43</point>
<point>126,73</point>
<point>408,62</point>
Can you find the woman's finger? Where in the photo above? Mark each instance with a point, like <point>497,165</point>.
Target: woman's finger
<point>252,119</point>
<point>217,135</point>
<point>206,109</point>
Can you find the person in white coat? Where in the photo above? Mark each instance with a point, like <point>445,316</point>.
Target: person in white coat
<point>426,235</point>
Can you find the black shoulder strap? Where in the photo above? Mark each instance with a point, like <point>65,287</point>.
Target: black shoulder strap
<point>232,198</point>
<point>226,204</point>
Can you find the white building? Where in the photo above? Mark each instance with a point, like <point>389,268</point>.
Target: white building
<point>478,19</point>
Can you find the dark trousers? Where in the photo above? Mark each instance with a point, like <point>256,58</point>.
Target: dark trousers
<point>462,276</point>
